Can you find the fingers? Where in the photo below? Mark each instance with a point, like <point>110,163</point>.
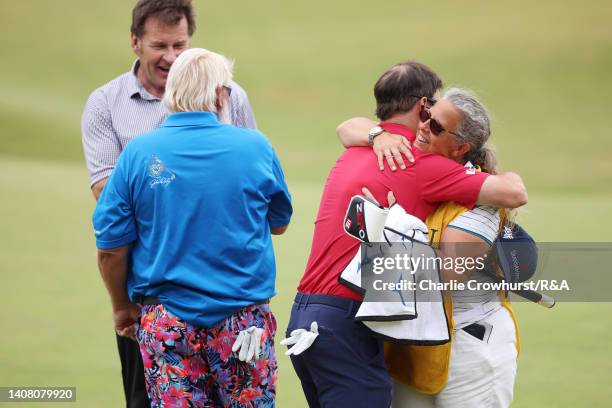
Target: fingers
<point>293,337</point>
<point>304,342</point>
<point>252,346</point>
<point>249,343</point>
<point>289,341</point>
<point>238,342</point>
<point>258,337</point>
<point>405,149</point>
<point>300,347</point>
<point>390,147</point>
<point>380,155</point>
<point>368,194</point>
<point>244,348</point>
<point>406,143</point>
<point>390,198</point>
<point>389,157</point>
<point>395,152</point>
<point>128,332</point>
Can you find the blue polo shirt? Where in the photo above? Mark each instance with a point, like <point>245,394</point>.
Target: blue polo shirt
<point>196,199</point>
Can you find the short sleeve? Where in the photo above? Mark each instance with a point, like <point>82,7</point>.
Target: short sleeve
<point>280,208</point>
<point>482,222</point>
<point>100,143</point>
<point>113,218</point>
<point>441,179</point>
<point>241,111</point>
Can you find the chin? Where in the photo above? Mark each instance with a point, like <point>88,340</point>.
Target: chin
<point>424,147</point>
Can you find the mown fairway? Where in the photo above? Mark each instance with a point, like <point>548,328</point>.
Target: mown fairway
<point>543,68</point>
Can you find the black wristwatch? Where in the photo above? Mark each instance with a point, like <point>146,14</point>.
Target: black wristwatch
<point>375,131</point>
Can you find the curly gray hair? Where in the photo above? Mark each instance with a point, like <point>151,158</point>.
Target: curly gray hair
<point>474,128</point>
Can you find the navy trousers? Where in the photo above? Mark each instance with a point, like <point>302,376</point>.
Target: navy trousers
<point>345,366</point>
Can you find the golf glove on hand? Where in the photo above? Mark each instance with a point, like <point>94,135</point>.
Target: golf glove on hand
<point>301,339</point>
<point>249,344</point>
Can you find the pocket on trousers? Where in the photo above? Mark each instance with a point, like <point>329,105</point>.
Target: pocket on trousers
<point>370,348</point>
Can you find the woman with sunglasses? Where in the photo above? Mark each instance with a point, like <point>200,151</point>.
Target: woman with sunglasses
<point>478,368</point>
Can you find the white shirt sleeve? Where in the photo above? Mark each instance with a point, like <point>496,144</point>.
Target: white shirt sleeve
<point>481,221</point>
<point>241,112</point>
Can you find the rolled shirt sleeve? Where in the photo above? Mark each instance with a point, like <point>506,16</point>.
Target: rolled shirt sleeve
<point>113,218</point>
<point>441,179</point>
<point>100,143</point>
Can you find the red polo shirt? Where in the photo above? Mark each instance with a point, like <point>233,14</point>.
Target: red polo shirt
<point>430,180</point>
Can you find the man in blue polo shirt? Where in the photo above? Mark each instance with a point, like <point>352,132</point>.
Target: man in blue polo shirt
<point>191,206</point>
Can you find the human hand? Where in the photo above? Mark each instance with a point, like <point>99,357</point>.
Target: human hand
<point>388,146</point>
<point>249,343</point>
<point>301,339</point>
<point>126,320</point>
<point>390,196</point>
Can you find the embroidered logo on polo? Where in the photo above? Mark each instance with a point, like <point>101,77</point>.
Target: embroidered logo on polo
<point>470,168</point>
<point>159,173</point>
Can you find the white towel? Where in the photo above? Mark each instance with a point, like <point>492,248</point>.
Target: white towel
<point>405,316</point>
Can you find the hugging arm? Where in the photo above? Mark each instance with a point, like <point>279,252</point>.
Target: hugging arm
<point>354,132</point>
<point>460,244</point>
<point>503,190</point>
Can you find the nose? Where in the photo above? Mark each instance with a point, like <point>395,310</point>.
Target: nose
<point>424,127</point>
<point>171,54</point>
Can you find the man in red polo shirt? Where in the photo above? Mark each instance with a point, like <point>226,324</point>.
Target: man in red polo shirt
<point>345,364</point>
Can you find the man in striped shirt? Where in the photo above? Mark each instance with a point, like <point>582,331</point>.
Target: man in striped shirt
<point>131,105</point>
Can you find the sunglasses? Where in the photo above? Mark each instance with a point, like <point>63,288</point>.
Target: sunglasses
<point>430,102</point>
<point>228,89</point>
<point>434,125</point>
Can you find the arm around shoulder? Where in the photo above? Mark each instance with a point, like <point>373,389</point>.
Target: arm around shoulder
<point>354,131</point>
<point>503,190</point>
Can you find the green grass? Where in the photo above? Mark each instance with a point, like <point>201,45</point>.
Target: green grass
<point>543,68</point>
<point>56,315</point>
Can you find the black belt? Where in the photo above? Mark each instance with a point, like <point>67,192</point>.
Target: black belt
<point>476,330</point>
<point>150,300</point>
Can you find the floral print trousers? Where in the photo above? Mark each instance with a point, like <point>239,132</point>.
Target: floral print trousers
<point>188,366</point>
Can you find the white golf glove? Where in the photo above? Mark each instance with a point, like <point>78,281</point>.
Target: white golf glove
<point>249,343</point>
<point>301,339</point>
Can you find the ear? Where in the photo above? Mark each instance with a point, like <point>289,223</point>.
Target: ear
<point>460,151</point>
<point>220,102</point>
<point>135,43</point>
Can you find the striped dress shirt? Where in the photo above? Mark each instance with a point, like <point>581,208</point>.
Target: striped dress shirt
<point>122,109</point>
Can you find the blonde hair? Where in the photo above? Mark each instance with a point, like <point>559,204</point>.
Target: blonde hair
<point>194,79</point>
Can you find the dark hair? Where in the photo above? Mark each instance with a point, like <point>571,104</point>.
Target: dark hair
<point>398,89</point>
<point>170,12</point>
